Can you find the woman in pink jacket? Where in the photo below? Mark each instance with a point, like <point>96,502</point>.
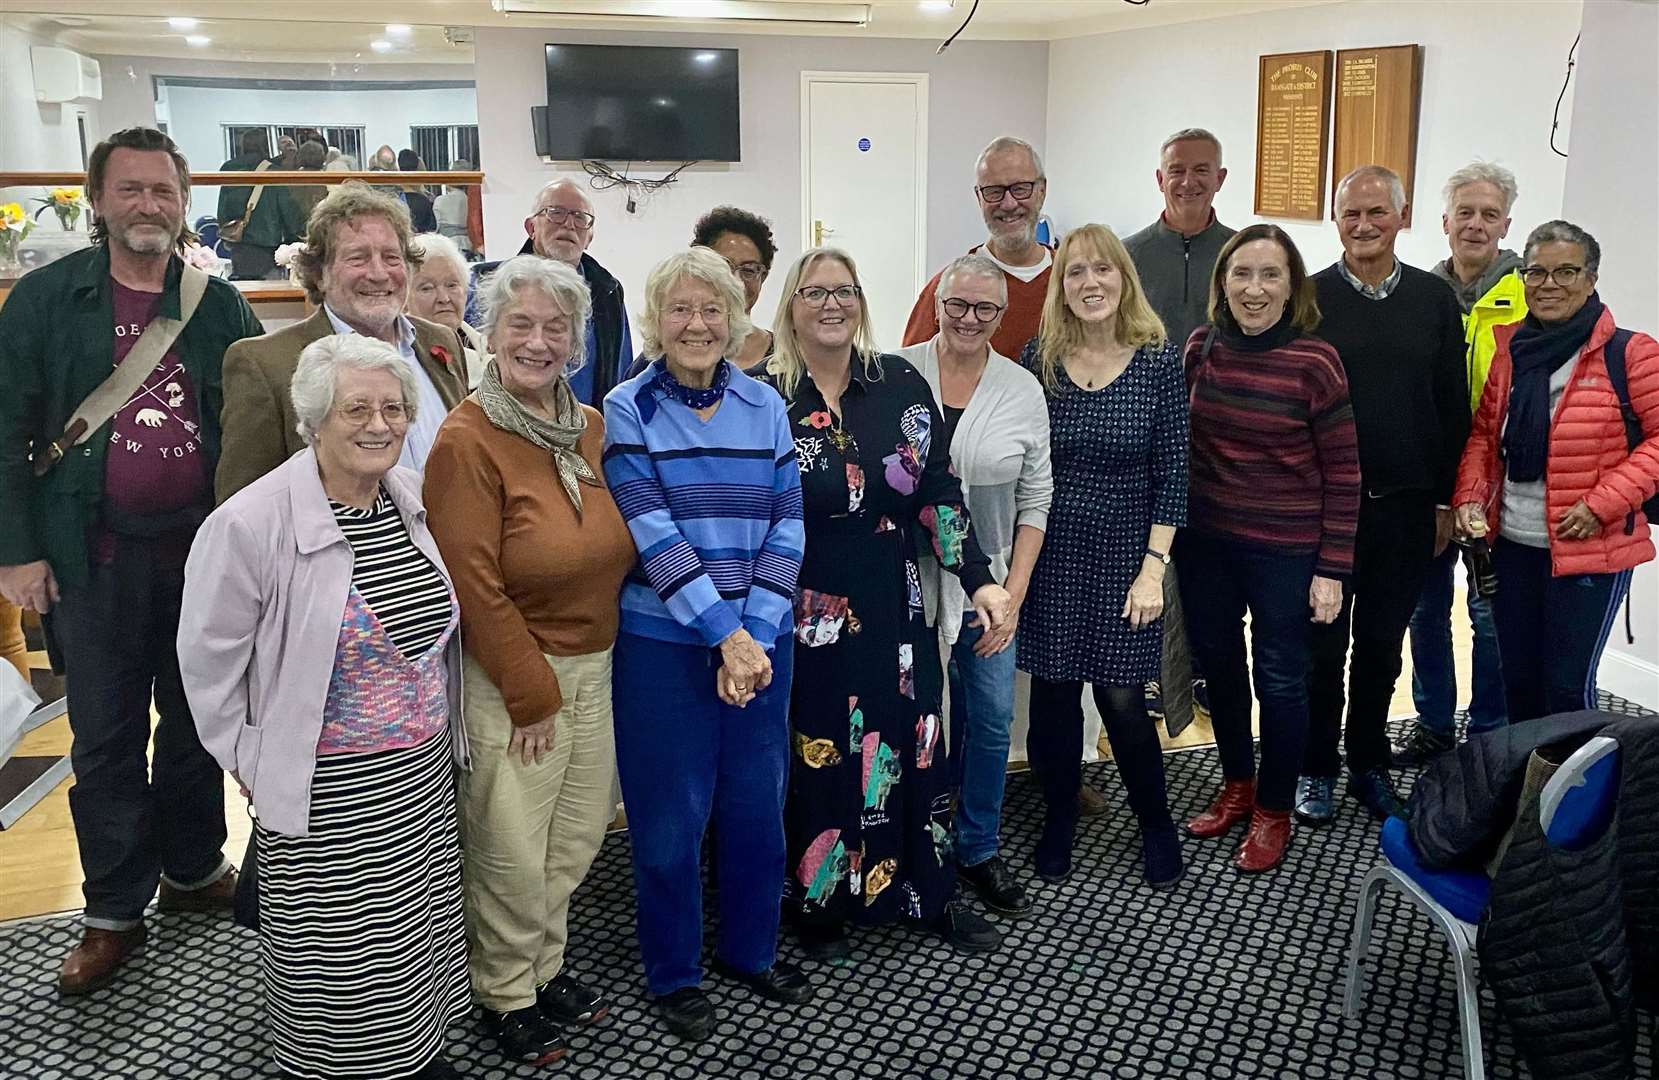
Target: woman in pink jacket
<point>1555,474</point>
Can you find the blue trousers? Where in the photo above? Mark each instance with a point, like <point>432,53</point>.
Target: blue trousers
<point>1433,676</point>
<point>981,718</point>
<point>683,755</point>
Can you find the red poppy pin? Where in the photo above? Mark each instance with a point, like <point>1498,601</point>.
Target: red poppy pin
<point>819,419</point>
<point>441,355</point>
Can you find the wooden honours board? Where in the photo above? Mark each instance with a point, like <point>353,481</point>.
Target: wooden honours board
<point>1378,94</point>
<point>1293,111</point>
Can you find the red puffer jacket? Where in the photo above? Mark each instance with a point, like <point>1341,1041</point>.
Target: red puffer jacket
<point>1589,457</point>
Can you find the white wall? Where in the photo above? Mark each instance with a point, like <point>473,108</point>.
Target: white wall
<point>197,114</point>
<point>978,90</point>
<point>1491,71</point>
<point>1610,192</point>
<point>35,136</point>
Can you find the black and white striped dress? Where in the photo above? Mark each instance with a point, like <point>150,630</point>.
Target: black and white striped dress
<point>362,938</point>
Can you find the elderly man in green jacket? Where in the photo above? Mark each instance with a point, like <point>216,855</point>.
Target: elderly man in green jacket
<point>96,528</point>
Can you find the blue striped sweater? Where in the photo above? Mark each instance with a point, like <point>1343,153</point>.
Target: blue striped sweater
<point>714,509</point>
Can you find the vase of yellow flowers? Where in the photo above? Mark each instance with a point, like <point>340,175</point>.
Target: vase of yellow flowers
<point>14,227</point>
<point>66,202</point>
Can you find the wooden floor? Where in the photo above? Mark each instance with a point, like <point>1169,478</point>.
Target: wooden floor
<point>40,872</point>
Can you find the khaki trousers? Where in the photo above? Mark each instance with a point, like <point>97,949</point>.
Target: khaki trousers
<point>530,832</point>
<point>13,649</point>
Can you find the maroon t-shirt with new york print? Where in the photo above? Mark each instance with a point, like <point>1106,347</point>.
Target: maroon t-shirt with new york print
<point>156,464</point>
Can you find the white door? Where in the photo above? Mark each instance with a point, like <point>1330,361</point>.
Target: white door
<point>864,160</point>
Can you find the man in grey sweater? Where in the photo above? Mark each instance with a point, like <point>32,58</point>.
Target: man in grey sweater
<point>1175,254</point>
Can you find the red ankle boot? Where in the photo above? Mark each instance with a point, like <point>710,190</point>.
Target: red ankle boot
<point>1264,844</point>
<point>1231,806</point>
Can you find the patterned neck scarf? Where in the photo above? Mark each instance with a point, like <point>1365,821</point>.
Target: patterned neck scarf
<point>557,436</point>
<point>695,397</point>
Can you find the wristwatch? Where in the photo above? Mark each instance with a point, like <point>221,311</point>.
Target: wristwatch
<point>1161,556</point>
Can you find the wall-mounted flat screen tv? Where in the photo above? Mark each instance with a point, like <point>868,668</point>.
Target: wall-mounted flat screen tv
<point>641,103</point>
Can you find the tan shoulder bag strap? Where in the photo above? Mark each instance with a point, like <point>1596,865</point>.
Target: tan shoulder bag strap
<point>125,380</point>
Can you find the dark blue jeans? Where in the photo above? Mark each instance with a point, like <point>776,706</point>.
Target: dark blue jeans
<point>683,755</point>
<point>981,718</point>
<point>1433,676</point>
<point>1552,630</point>
<point>136,820</point>
<point>1220,581</point>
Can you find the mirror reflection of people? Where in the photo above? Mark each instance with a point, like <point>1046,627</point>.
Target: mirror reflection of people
<point>452,210</point>
<point>1550,480</point>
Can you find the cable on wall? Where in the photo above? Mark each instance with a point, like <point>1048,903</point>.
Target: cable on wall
<point>971,12</point>
<point>1555,119</point>
<point>602,177</point>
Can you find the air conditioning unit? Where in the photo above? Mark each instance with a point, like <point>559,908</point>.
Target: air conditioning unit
<point>65,75</point>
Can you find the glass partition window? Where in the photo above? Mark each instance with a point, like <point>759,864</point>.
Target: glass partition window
<point>441,145</point>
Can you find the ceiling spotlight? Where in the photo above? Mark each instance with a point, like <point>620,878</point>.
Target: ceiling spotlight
<point>198,40</point>
<point>380,45</point>
<point>398,29</point>
<point>936,6</point>
<point>179,23</point>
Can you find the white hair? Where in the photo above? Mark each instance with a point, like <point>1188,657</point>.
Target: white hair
<point>1482,172</point>
<point>1009,142</point>
<point>437,246</point>
<point>1193,134</point>
<point>317,376</point>
<point>973,265</point>
<point>1396,188</point>
<point>499,292</point>
<point>698,264</point>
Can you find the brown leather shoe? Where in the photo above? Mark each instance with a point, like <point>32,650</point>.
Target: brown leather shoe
<point>1231,806</point>
<point>1090,803</point>
<point>95,961</point>
<point>1264,845</point>
<point>217,897</point>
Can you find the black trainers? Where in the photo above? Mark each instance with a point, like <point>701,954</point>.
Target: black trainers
<point>995,884</point>
<point>525,1036</point>
<point>688,1013</point>
<point>966,930</point>
<point>781,982</point>
<point>1419,747</point>
<point>1374,789</point>
<point>823,940</point>
<point>566,1001</point>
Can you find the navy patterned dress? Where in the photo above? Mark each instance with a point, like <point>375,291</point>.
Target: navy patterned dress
<point>868,811</point>
<point>1120,465</point>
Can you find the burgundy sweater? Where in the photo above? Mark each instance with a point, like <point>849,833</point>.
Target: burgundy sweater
<point>1274,460</point>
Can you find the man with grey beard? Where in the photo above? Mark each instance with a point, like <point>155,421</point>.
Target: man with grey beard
<point>99,516</point>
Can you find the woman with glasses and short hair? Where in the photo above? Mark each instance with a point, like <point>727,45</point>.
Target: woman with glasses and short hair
<point>996,426</point>
<point>868,815</point>
<point>1557,471</point>
<point>744,240</point>
<point>319,651</point>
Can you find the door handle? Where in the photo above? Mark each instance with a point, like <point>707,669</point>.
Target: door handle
<point>819,232</point>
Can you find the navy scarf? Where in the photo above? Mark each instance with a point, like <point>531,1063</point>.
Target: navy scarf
<point>1537,351</point>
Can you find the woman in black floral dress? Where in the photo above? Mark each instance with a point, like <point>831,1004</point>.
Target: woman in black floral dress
<point>868,809</point>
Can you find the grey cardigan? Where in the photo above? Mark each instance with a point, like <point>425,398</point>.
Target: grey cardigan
<point>265,590</point>
<point>1000,451</point>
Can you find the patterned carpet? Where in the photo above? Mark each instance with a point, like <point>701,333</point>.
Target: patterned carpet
<point>1224,977</point>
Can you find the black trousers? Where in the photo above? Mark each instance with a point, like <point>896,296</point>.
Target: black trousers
<point>1055,745</point>
<point>135,820</point>
<point>1392,552</point>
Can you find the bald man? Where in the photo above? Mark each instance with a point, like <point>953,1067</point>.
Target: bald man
<point>560,226</point>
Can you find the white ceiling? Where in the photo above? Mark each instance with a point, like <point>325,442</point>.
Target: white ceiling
<point>329,31</point>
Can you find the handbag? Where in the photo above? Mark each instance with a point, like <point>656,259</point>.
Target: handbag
<point>129,375</point>
<point>231,231</point>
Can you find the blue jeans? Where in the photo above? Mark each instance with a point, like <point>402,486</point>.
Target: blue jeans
<point>981,718</point>
<point>683,755</point>
<point>1433,676</point>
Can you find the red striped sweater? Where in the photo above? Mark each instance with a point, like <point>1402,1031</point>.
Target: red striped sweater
<point>1274,460</point>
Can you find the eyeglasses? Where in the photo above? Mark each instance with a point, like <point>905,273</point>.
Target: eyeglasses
<point>984,311</point>
<point>712,313</point>
<point>750,272</point>
<point>359,413</point>
<point>818,296</point>
<point>1020,189</point>
<point>558,215</point>
<point>1563,276</point>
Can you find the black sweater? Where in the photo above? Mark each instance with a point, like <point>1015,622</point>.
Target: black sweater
<point>1404,357</point>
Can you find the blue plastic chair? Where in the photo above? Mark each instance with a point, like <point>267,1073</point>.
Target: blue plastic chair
<point>1575,808</point>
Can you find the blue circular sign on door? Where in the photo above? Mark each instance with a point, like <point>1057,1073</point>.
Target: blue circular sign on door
<point>864,146</point>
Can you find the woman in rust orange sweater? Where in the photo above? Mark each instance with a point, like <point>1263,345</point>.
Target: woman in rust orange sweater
<point>538,551</point>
